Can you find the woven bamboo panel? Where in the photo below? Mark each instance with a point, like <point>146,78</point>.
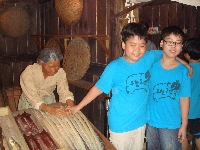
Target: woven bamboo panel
<point>14,22</point>
<point>69,11</point>
<point>74,132</point>
<point>76,59</point>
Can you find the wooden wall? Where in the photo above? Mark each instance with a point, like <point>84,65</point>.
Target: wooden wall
<point>163,14</point>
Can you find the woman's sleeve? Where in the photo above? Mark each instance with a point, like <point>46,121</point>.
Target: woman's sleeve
<point>63,87</point>
<point>28,88</point>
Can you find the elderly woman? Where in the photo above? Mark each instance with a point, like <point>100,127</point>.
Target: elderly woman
<point>38,81</point>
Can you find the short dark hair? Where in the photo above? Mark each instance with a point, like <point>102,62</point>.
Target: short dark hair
<point>176,30</point>
<point>192,47</point>
<point>133,29</point>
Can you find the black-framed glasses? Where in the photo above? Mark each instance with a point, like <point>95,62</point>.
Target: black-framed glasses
<point>171,43</point>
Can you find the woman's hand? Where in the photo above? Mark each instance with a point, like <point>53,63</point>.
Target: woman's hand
<point>59,112</point>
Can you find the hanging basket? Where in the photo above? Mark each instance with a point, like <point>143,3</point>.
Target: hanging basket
<point>53,43</point>
<point>14,22</point>
<point>69,11</point>
<point>76,59</point>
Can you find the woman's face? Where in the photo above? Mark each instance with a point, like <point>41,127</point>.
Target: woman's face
<point>50,68</point>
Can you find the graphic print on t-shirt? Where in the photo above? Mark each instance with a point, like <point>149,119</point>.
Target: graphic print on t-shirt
<point>164,90</point>
<point>137,81</point>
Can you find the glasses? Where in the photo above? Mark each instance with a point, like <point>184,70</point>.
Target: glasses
<point>171,43</point>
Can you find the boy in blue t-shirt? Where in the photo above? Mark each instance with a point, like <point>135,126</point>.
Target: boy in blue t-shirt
<point>191,51</point>
<point>169,95</point>
<point>128,79</point>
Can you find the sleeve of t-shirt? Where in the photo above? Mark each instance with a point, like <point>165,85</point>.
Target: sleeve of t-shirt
<point>186,84</point>
<point>105,83</point>
<point>156,54</point>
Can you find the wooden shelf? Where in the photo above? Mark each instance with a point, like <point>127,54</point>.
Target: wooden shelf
<point>99,38</point>
<point>85,85</point>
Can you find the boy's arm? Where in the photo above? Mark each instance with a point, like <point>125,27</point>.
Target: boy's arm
<point>187,65</point>
<point>184,103</point>
<point>91,95</point>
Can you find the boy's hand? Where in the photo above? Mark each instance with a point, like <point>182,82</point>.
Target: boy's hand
<point>182,134</point>
<point>190,71</point>
<point>71,109</point>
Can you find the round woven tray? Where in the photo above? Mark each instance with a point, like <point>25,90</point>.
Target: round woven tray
<point>69,11</point>
<point>76,59</point>
<point>14,22</point>
<point>53,43</point>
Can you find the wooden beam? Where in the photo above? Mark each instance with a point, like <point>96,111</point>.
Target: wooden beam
<point>129,9</point>
<point>99,38</point>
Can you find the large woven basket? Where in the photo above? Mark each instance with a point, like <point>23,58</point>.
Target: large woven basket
<point>69,11</point>
<point>76,59</point>
<point>53,43</point>
<point>14,22</point>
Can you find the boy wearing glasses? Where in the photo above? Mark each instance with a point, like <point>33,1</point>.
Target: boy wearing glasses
<point>169,95</point>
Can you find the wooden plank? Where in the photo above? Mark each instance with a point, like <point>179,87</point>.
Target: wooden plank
<point>173,14</point>
<point>163,19</point>
<point>129,9</point>
<point>180,18</point>
<point>16,73</point>
<point>198,21</point>
<point>149,15</point>
<point>193,21</point>
<point>82,84</point>
<point>92,27</point>
<point>101,29</point>
<point>190,20</point>
<point>6,74</point>
<point>155,18</point>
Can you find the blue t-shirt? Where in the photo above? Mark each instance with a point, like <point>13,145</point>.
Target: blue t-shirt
<point>195,92</point>
<point>166,89</point>
<point>129,83</point>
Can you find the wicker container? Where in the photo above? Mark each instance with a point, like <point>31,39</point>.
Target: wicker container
<point>76,59</point>
<point>69,11</point>
<point>14,22</point>
<point>53,43</point>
